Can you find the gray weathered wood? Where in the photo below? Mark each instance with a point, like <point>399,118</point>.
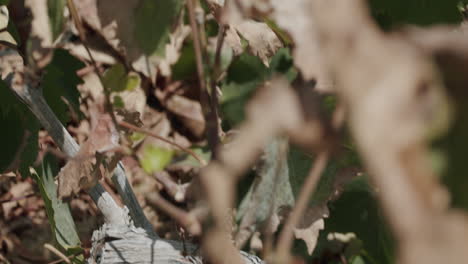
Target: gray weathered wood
<point>112,212</point>
<point>128,244</point>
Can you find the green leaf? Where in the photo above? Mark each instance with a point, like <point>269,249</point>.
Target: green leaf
<point>186,67</point>
<point>4,2</point>
<point>118,102</point>
<point>155,158</point>
<point>117,79</point>
<point>244,75</point>
<point>11,29</point>
<point>154,19</point>
<point>60,82</point>
<point>56,18</point>
<point>19,139</point>
<point>421,12</point>
<point>271,190</point>
<point>357,211</point>
<point>58,212</point>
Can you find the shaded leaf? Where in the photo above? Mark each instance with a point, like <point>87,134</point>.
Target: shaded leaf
<point>56,16</point>
<point>270,192</point>
<point>245,74</point>
<point>140,29</point>
<point>422,12</point>
<point>357,211</point>
<point>19,140</point>
<point>60,82</point>
<point>153,23</point>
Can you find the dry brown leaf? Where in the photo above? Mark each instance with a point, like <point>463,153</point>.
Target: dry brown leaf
<point>84,170</point>
<point>41,32</point>
<point>5,36</point>
<point>294,17</point>
<point>78,50</point>
<point>188,111</point>
<point>17,190</point>
<point>134,100</point>
<point>310,234</point>
<point>262,41</point>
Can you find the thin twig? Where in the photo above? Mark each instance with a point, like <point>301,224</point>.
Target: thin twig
<point>196,44</point>
<point>215,124</point>
<point>210,110</point>
<point>57,252</point>
<point>177,191</point>
<point>286,235</point>
<point>149,133</point>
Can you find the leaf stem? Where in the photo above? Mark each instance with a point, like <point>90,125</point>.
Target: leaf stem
<point>149,133</point>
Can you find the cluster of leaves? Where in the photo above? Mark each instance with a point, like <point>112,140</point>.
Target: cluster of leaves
<point>157,54</point>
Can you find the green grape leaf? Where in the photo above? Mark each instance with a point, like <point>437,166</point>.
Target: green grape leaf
<point>154,19</point>
<point>58,212</point>
<point>19,138</point>
<point>118,102</point>
<point>60,82</point>
<point>118,80</point>
<point>56,18</point>
<point>154,159</point>
<point>186,67</point>
<point>421,12</point>
<point>244,75</point>
<point>357,211</point>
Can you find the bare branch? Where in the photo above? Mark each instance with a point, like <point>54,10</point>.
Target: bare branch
<point>111,211</point>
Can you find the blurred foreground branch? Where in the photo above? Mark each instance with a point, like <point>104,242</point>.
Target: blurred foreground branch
<point>396,103</point>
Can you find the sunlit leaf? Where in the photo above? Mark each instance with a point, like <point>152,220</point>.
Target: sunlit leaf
<point>155,158</point>
<point>117,79</point>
